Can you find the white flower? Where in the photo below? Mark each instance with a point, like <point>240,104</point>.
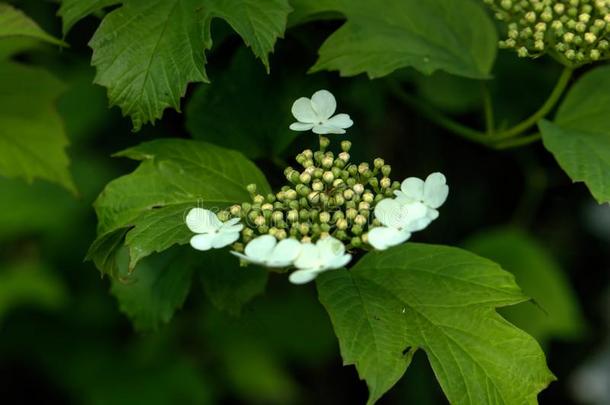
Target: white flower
<point>316,114</point>
<point>212,232</point>
<point>399,220</point>
<point>267,251</point>
<point>326,254</point>
<point>432,193</point>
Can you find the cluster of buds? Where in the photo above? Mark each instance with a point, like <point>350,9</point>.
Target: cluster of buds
<point>574,31</point>
<point>327,196</point>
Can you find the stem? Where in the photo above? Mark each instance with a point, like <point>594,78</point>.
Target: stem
<point>560,86</point>
<point>488,107</point>
<point>438,117</point>
<point>515,142</point>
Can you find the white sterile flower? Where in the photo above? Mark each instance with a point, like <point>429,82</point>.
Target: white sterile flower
<point>212,232</point>
<point>399,221</point>
<point>267,251</point>
<point>316,114</point>
<point>432,193</point>
<point>327,254</point>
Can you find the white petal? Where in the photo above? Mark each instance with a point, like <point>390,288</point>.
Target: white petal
<point>340,121</point>
<point>383,237</point>
<point>435,190</point>
<point>309,258</point>
<point>303,111</point>
<point>412,212</point>
<point>260,248</point>
<point>284,253</point>
<point>419,224</point>
<point>302,276</point>
<point>327,129</point>
<point>200,220</point>
<point>223,239</point>
<point>413,188</point>
<point>324,104</point>
<point>339,261</point>
<point>203,241</point>
<point>387,211</point>
<point>300,126</point>
<point>329,248</point>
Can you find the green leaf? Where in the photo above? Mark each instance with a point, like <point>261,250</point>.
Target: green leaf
<point>146,52</point>
<point>228,285</point>
<point>441,300</point>
<point>455,36</point>
<point>32,137</point>
<point>150,203</point>
<point>13,23</point>
<point>579,137</point>
<point>555,311</point>
<point>230,112</point>
<point>72,11</point>
<point>150,294</point>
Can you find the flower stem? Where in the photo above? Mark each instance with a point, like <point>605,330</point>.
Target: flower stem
<point>516,142</point>
<point>488,108</point>
<point>437,117</point>
<point>549,104</point>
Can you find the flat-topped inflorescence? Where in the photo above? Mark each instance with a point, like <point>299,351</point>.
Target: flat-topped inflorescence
<point>575,32</point>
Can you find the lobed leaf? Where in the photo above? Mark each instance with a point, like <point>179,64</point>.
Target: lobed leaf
<point>150,203</point>
<point>457,37</point>
<point>441,300</point>
<point>579,137</point>
<point>147,52</point>
<point>32,137</point>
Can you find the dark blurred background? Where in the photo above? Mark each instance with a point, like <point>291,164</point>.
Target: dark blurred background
<point>63,339</point>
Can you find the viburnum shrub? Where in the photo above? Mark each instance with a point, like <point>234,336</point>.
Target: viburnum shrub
<point>221,194</point>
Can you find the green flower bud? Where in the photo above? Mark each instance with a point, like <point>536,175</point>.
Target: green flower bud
<point>317,185</point>
<point>251,188</point>
<point>342,224</point>
<point>351,213</point>
<point>307,153</point>
<point>368,197</point>
<point>263,229</point>
<point>356,242</point>
<point>337,215</point>
<point>295,205</point>
<point>324,142</point>
<point>360,220</point>
<point>305,178</point>
<point>348,194</point>
<point>341,235</point>
<point>358,188</point>
<point>291,195</point>
<point>378,163</point>
<point>304,215</point>
<point>346,146</point>
<point>324,228</point>
<point>259,220</point>
<point>235,210</point>
<point>364,205</point>
<point>386,169</point>
<point>324,217</point>
<point>374,182</point>
<point>356,229</point>
<point>303,229</point>
<point>292,216</point>
<point>314,197</point>
<point>281,234</point>
<point>277,216</point>
<point>328,177</point>
<point>252,215</point>
<point>267,207</point>
<point>327,162</point>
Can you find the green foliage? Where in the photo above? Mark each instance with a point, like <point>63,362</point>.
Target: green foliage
<point>147,52</point>
<point>228,285</point>
<point>72,11</point>
<point>442,300</point>
<point>13,23</point>
<point>31,284</point>
<point>32,137</point>
<point>579,137</point>
<point>554,311</point>
<point>151,294</point>
<point>457,37</point>
<point>150,203</point>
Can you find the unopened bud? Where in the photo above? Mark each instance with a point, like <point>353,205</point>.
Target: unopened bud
<point>358,188</point>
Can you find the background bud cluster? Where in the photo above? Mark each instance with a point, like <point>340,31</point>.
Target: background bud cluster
<point>574,31</point>
<point>325,195</point>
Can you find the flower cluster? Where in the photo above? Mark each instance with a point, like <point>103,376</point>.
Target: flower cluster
<point>575,31</point>
<point>329,206</point>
